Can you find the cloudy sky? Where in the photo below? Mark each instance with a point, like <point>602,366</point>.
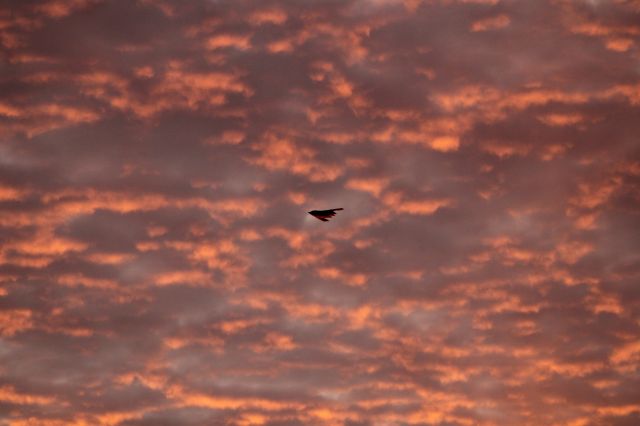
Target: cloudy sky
<point>158,266</point>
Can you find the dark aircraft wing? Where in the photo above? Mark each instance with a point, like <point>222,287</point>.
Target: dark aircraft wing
<point>324,215</point>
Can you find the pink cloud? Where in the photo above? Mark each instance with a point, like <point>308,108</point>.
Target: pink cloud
<point>158,265</point>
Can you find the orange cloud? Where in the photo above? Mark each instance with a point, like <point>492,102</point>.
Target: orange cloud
<point>505,150</point>
<point>74,280</point>
<point>38,250</point>
<point>268,16</point>
<point>8,394</point>
<point>188,277</point>
<point>493,23</point>
<point>37,119</point>
<point>561,119</point>
<point>283,154</point>
<point>196,399</point>
<point>444,143</point>
<point>397,202</point>
<point>15,320</point>
<point>175,89</point>
<point>620,44</point>
<point>374,186</point>
<point>8,193</point>
<point>61,8</point>
<point>229,40</point>
<point>357,279</point>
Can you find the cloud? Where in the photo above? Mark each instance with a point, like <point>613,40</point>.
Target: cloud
<point>157,263</point>
<point>492,23</point>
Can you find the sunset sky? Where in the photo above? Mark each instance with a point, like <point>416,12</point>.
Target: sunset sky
<point>158,159</point>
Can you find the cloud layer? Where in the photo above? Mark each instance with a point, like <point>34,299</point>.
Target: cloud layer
<point>158,158</point>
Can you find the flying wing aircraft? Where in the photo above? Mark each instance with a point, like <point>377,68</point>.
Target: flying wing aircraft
<point>324,215</point>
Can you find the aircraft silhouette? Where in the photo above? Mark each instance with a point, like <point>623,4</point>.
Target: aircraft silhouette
<point>324,215</point>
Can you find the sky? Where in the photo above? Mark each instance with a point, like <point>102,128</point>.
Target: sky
<point>158,159</point>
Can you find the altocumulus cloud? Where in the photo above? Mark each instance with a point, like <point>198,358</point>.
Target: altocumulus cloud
<point>158,158</point>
